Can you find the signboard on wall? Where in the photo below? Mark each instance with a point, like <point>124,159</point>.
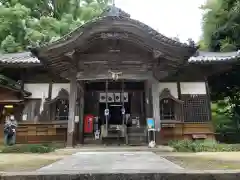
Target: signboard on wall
<point>150,123</point>
<point>24,117</point>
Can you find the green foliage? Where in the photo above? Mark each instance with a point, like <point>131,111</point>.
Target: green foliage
<point>223,117</point>
<point>221,32</point>
<point>31,148</point>
<point>221,25</point>
<point>25,23</point>
<point>202,146</point>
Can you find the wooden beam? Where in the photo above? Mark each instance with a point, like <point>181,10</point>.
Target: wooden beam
<point>106,75</point>
<point>72,105</point>
<point>113,56</point>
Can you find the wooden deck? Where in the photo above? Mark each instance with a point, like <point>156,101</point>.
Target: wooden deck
<point>57,132</point>
<point>188,131</point>
<point>39,133</point>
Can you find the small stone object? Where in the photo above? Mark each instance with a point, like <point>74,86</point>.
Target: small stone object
<point>152,144</point>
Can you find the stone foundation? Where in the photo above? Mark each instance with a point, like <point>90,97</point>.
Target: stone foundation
<point>179,175</point>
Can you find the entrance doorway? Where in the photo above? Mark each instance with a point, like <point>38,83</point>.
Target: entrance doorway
<point>98,99</point>
<point>115,111</point>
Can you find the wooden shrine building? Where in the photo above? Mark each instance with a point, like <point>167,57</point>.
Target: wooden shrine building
<point>108,77</point>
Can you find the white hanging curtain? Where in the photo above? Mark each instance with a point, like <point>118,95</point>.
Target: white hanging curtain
<point>42,102</point>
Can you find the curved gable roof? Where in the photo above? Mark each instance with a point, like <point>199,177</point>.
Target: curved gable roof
<point>119,19</point>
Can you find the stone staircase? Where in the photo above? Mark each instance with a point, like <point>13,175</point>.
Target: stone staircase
<point>137,136</point>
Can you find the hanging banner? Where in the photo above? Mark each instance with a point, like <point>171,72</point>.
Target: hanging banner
<point>123,111</point>
<point>106,112</point>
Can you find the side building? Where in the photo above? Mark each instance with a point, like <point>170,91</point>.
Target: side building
<point>111,63</point>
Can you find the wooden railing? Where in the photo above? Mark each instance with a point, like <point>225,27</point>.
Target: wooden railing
<point>29,132</point>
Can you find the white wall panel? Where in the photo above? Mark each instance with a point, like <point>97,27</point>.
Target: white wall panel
<point>56,87</point>
<point>193,88</point>
<point>37,90</point>
<point>172,86</point>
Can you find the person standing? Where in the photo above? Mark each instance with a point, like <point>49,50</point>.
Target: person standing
<point>10,131</point>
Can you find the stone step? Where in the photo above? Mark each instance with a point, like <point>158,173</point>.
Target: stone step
<point>136,130</point>
<point>137,139</point>
<point>137,134</point>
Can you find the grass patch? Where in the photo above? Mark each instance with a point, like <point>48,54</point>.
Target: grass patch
<point>26,165</point>
<point>202,146</point>
<point>198,163</point>
<point>31,148</point>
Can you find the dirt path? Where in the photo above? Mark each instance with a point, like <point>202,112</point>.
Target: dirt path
<point>205,160</point>
<point>27,162</point>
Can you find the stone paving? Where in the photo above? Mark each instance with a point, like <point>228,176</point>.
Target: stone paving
<point>112,162</point>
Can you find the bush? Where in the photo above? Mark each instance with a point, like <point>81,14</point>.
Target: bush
<point>202,146</point>
<point>31,148</point>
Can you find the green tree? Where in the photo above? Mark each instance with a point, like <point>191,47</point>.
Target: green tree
<point>221,25</point>
<point>221,32</point>
<point>25,23</point>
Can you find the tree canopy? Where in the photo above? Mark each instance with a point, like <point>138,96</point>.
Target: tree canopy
<point>25,23</point>
<point>221,25</point>
<point>221,32</point>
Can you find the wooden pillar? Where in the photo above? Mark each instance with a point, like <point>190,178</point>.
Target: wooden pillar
<point>49,105</point>
<point>179,90</point>
<point>155,102</point>
<point>209,98</point>
<point>22,79</point>
<point>148,99</point>
<point>81,112</point>
<point>72,109</point>
<point>50,90</point>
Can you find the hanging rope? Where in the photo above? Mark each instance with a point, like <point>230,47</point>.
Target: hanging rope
<point>122,99</point>
<point>106,116</point>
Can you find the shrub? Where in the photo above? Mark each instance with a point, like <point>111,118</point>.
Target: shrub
<point>30,148</point>
<point>202,146</point>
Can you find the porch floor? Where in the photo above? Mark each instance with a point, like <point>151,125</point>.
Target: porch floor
<point>112,162</point>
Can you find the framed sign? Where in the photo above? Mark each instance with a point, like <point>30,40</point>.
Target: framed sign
<point>150,123</point>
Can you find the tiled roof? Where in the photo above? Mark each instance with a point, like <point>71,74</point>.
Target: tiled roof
<point>202,56</point>
<point>18,58</point>
<point>13,85</point>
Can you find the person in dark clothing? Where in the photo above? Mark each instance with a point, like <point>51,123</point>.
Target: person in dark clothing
<point>10,131</point>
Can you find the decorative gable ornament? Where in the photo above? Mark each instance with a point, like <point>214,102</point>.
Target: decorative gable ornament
<point>113,11</point>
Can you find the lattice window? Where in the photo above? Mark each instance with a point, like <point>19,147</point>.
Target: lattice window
<point>167,109</point>
<point>196,108</point>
